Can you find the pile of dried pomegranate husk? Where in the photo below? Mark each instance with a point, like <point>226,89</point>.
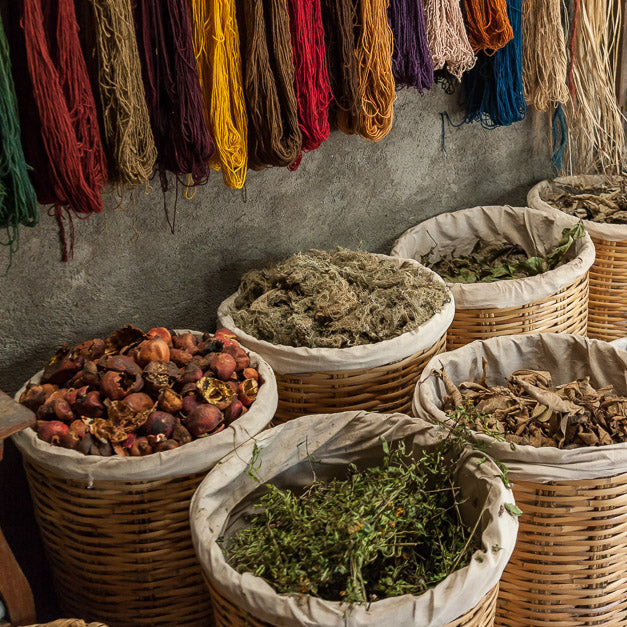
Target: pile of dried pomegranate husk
<point>530,409</point>
<point>137,393</point>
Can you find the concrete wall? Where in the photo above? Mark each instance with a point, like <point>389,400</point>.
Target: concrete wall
<point>128,266</point>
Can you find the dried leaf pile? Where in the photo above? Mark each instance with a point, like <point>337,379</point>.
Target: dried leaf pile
<point>336,300</point>
<point>530,409</point>
<point>497,261</point>
<point>384,531</point>
<point>599,203</point>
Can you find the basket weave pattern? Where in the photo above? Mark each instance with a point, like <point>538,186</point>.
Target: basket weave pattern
<point>564,312</point>
<point>121,552</point>
<point>607,316</point>
<point>387,388</point>
<point>569,567</point>
<point>228,614</point>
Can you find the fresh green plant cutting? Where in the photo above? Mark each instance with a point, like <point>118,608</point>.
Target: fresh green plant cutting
<point>381,532</point>
<point>497,261</point>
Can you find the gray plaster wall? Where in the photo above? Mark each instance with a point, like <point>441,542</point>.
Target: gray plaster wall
<point>128,266</point>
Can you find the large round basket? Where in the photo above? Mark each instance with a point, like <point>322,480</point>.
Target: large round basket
<point>466,597</point>
<point>569,567</point>
<point>116,529</point>
<point>607,313</point>
<point>373,377</point>
<point>68,622</point>
<point>555,301</point>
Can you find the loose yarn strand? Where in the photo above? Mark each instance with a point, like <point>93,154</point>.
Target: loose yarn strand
<point>595,122</point>
<point>216,42</point>
<point>18,203</point>
<point>274,136</point>
<point>447,37</point>
<point>487,24</point>
<point>339,18</point>
<point>376,84</point>
<point>545,62</point>
<point>312,87</point>
<point>412,63</point>
<point>126,123</point>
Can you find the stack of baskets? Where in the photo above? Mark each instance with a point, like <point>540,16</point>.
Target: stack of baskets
<point>556,301</point>
<point>607,319</point>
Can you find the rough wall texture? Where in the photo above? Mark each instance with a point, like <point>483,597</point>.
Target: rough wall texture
<point>349,192</point>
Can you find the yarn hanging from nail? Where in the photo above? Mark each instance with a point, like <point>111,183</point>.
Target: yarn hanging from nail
<point>216,42</point>
<point>18,203</point>
<point>494,87</point>
<point>412,63</point>
<point>487,25</point>
<point>339,18</point>
<point>545,60</point>
<point>311,84</point>
<point>66,109</point>
<point>446,34</point>
<point>126,126</point>
<point>173,96</point>
<point>376,80</point>
<point>274,136</point>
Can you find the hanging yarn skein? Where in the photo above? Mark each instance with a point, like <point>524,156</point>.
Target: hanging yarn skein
<point>494,87</point>
<point>126,123</point>
<point>339,18</point>
<point>412,63</point>
<point>313,90</point>
<point>173,96</point>
<point>487,25</point>
<point>18,203</point>
<point>545,61</point>
<point>274,136</point>
<point>66,109</point>
<point>216,42</point>
<point>376,80</point>
<point>446,34</point>
<point>595,123</point>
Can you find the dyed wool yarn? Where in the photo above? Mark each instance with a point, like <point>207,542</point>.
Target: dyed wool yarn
<point>216,42</point>
<point>446,34</point>
<point>376,81</point>
<point>494,87</point>
<point>274,136</point>
<point>412,63</point>
<point>487,24</point>
<point>18,203</point>
<point>66,108</point>
<point>126,123</point>
<point>339,18</point>
<point>313,90</point>
<point>172,88</point>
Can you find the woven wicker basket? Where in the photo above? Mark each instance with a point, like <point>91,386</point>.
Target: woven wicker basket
<point>116,530</point>
<point>386,388</point>
<point>607,313</point>
<point>569,566</point>
<point>484,310</point>
<point>68,622</point>
<point>226,614</point>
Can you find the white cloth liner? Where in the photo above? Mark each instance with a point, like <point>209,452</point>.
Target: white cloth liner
<point>336,440</point>
<point>197,456</point>
<point>536,231</point>
<point>297,360</point>
<point>622,343</point>
<point>567,357</point>
<point>598,230</point>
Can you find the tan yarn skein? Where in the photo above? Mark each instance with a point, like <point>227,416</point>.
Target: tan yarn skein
<point>126,122</point>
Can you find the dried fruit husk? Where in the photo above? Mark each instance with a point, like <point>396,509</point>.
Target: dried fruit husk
<point>122,338</point>
<point>491,261</point>
<point>605,202</point>
<point>530,409</point>
<point>216,392</point>
<point>120,421</point>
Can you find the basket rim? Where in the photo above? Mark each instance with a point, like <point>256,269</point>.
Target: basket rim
<point>190,458</point>
<point>598,230</point>
<point>266,600</point>
<point>286,359</point>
